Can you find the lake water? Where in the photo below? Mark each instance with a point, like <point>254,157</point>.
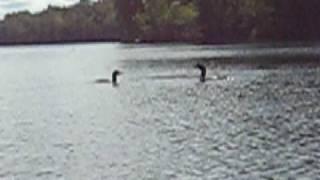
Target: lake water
<point>260,121</point>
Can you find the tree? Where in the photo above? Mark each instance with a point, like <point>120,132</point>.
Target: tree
<point>126,11</point>
<point>233,21</point>
<point>165,20</point>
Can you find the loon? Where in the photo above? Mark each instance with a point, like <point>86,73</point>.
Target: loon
<point>203,70</point>
<point>114,81</point>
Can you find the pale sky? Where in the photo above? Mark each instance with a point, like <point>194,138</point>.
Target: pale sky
<point>7,6</point>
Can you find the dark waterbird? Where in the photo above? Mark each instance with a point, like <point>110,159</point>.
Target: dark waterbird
<point>114,81</point>
<point>203,70</point>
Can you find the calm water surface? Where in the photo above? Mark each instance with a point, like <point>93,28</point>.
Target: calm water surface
<point>260,121</point>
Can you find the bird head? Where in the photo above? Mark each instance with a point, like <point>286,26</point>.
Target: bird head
<point>200,66</point>
<point>117,72</point>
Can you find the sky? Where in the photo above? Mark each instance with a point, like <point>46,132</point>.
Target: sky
<point>9,6</point>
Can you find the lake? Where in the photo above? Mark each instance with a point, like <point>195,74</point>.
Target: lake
<point>260,121</point>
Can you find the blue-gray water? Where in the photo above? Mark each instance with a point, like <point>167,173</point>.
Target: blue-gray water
<point>258,122</point>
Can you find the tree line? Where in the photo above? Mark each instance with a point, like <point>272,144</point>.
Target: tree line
<point>197,21</point>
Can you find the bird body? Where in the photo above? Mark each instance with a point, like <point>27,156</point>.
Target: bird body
<point>101,81</point>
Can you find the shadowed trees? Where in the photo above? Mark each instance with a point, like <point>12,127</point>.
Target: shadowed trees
<point>205,21</point>
<point>234,21</point>
<point>84,21</point>
<point>126,10</point>
<point>298,20</point>
<point>167,20</point>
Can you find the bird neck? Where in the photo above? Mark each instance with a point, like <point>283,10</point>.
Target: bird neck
<point>203,75</point>
<point>202,78</point>
<point>114,78</point>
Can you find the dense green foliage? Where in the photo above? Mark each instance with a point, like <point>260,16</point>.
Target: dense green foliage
<point>200,21</point>
<point>82,22</point>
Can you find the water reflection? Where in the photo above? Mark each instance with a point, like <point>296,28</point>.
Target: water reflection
<point>178,52</point>
<point>160,122</point>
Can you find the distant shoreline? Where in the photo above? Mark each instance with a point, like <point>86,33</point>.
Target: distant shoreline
<point>257,44</point>
<point>57,42</point>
